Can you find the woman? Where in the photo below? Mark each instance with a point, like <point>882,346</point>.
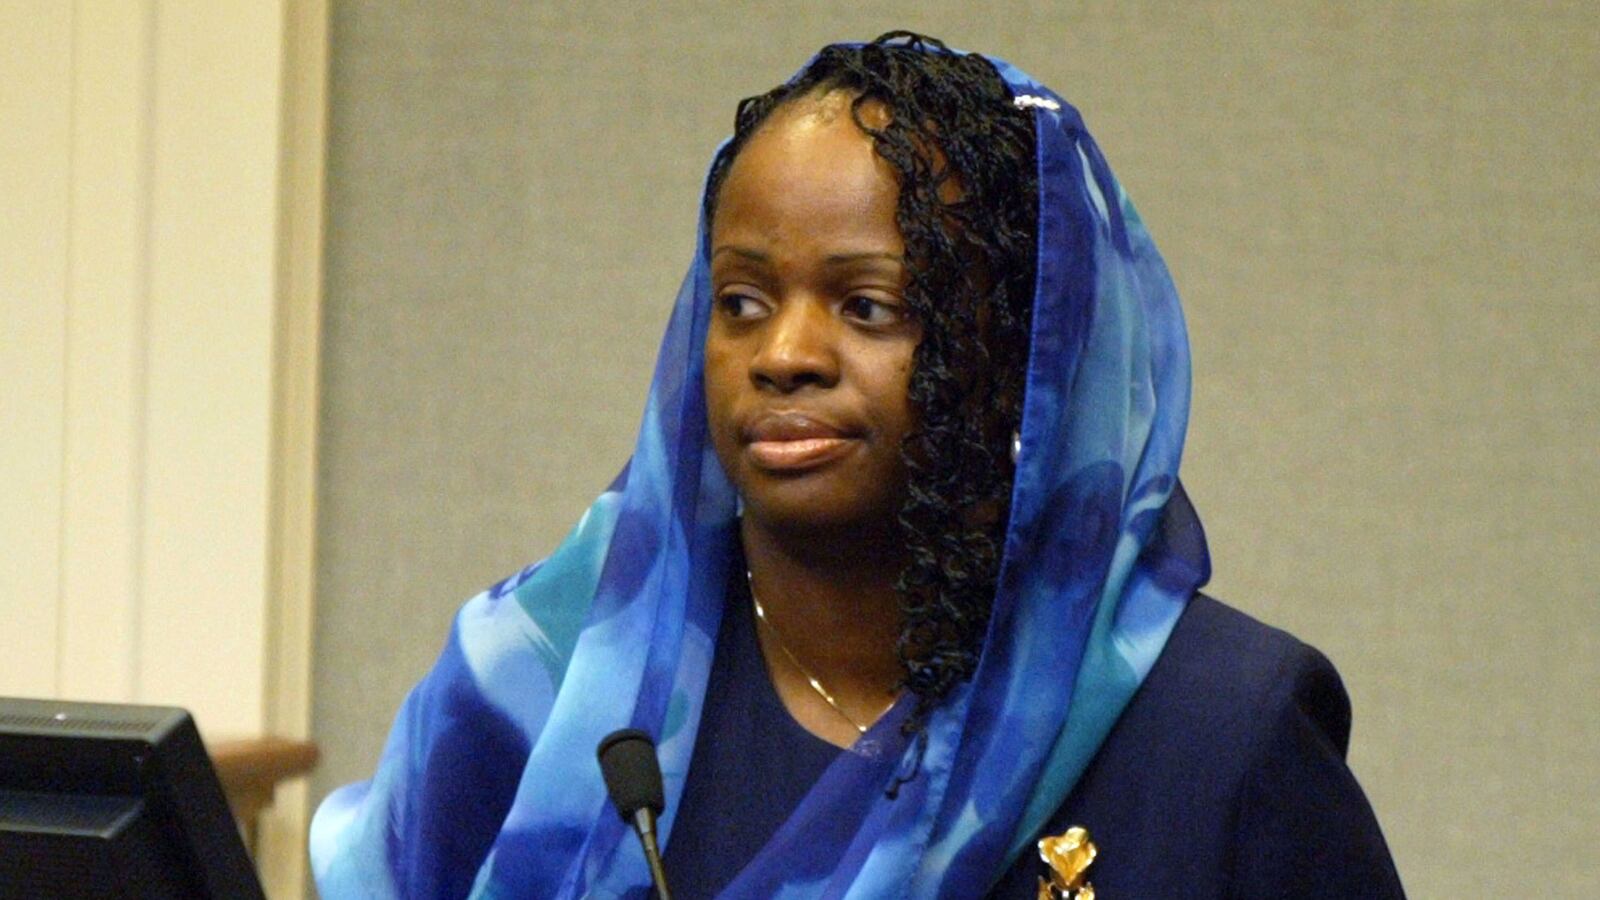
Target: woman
<point>900,540</point>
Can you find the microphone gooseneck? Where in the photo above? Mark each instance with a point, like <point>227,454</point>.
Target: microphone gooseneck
<point>633,779</point>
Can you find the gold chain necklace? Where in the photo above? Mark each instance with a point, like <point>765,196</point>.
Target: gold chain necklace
<point>800,667</point>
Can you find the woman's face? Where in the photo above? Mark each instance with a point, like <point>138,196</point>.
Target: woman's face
<point>809,350</point>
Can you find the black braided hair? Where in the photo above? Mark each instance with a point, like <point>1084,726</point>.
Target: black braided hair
<point>971,258</point>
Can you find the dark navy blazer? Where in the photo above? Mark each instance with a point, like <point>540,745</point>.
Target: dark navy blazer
<point>1225,776</point>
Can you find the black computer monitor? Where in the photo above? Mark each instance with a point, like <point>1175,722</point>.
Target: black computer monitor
<point>113,801</point>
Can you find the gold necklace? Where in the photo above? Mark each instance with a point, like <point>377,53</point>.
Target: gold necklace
<point>800,667</point>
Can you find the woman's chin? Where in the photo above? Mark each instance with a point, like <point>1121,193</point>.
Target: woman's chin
<point>814,507</point>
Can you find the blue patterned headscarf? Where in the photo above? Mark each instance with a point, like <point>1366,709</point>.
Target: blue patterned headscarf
<point>495,747</point>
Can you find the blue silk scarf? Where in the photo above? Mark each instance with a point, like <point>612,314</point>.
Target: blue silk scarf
<point>495,747</point>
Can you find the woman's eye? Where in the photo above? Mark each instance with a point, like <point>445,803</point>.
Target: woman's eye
<point>740,306</point>
<point>872,311</point>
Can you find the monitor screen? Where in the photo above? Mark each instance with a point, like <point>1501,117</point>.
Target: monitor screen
<point>114,801</point>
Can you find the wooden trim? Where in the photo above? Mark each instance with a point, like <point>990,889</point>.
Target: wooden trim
<point>292,533</point>
<point>251,770</point>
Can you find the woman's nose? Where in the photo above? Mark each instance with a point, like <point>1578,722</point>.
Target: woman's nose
<point>798,349</point>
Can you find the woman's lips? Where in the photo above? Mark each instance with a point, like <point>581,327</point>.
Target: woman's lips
<point>786,442</point>
<point>777,456</point>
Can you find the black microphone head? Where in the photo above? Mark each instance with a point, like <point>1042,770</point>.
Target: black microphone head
<point>633,776</point>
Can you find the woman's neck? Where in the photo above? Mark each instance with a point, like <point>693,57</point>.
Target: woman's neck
<point>832,613</point>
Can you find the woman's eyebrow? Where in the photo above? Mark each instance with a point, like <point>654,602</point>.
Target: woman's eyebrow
<point>832,259</point>
<point>744,252</point>
<point>863,256</point>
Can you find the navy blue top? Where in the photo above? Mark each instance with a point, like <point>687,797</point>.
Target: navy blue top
<point>752,762</point>
<point>1225,776</point>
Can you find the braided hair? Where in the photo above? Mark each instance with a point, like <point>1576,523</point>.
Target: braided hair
<point>963,155</point>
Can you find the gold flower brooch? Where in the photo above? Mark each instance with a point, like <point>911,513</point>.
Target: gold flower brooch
<point>1068,856</point>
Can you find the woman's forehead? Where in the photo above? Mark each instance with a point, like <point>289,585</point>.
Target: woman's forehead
<point>807,172</point>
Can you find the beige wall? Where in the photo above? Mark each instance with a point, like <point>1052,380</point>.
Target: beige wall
<point>159,248</point>
<point>1382,218</point>
<point>139,297</point>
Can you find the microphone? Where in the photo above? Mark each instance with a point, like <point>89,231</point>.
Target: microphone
<point>633,779</point>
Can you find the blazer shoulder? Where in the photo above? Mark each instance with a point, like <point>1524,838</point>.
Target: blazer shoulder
<point>1233,743</point>
<point>1223,668</point>
<point>1207,709</point>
